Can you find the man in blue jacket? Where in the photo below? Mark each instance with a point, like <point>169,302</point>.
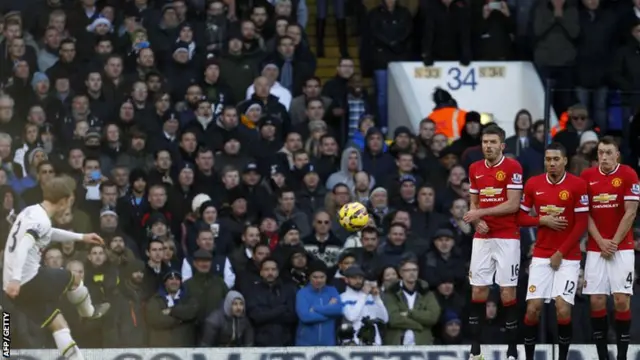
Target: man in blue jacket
<point>318,307</point>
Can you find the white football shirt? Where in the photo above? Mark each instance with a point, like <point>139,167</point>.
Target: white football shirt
<point>30,234</point>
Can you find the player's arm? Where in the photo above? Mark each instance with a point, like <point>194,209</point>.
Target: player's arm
<point>630,211</point>
<point>593,230</point>
<point>508,207</point>
<point>581,219</point>
<point>59,235</point>
<point>514,195</point>
<point>526,204</point>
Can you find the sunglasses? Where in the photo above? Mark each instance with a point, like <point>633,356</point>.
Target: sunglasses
<point>322,222</point>
<point>580,117</point>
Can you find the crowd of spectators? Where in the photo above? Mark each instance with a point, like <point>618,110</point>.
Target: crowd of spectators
<point>213,162</point>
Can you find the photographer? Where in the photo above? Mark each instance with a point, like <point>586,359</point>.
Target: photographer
<point>363,308</point>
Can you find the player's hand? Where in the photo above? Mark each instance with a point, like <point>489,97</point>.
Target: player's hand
<point>607,248</point>
<point>472,215</point>
<point>556,260</point>
<point>482,227</point>
<point>13,289</point>
<point>554,222</point>
<point>92,238</point>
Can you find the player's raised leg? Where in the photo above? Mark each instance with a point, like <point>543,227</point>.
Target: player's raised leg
<point>78,295</point>
<point>481,272</point>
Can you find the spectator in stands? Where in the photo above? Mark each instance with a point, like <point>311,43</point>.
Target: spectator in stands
<point>207,288</point>
<point>171,314</point>
<point>318,307</point>
<point>413,309</point>
<point>595,49</point>
<point>271,307</point>
<point>446,31</point>
<point>556,26</point>
<point>493,37</point>
<point>390,25</point>
<point>448,118</point>
<point>228,326</point>
<point>363,307</point>
<point>310,90</point>
<point>579,122</point>
<point>532,157</point>
<point>516,144</point>
<point>625,69</point>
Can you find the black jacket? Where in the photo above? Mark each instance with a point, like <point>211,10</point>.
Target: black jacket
<point>272,310</point>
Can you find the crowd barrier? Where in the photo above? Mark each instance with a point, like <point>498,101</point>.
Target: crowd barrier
<point>543,352</point>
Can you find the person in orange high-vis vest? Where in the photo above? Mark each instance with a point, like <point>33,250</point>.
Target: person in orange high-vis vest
<point>446,115</point>
<point>449,121</point>
<point>561,125</point>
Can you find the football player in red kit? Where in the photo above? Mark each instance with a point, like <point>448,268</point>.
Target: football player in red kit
<point>614,193</point>
<point>496,189</point>
<point>555,266</point>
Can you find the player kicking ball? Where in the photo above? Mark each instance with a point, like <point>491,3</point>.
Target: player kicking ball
<point>614,193</point>
<point>496,189</point>
<point>555,266</point>
<point>37,290</point>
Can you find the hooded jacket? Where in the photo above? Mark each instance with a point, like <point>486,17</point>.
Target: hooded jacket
<point>222,329</point>
<point>343,175</point>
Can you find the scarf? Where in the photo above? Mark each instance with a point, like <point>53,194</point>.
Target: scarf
<point>248,123</point>
<point>173,300</point>
<point>286,74</point>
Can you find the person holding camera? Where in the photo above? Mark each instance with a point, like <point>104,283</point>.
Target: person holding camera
<point>363,309</point>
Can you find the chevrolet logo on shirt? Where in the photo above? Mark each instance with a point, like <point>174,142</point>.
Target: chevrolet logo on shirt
<point>605,198</point>
<point>551,210</point>
<point>490,192</point>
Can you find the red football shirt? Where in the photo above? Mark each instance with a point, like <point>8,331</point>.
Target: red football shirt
<point>566,199</point>
<point>607,194</point>
<point>491,183</point>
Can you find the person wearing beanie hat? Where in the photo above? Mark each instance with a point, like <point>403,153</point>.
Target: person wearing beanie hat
<point>402,138</point>
<point>319,308</point>
<point>470,135</point>
<point>228,326</point>
<point>588,142</point>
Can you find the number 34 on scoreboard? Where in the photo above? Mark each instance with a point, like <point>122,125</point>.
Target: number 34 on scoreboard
<point>459,77</point>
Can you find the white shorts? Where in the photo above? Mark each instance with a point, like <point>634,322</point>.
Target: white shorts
<point>495,258</point>
<point>604,277</point>
<point>546,283</point>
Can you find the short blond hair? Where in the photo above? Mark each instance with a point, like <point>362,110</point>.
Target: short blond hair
<point>58,188</point>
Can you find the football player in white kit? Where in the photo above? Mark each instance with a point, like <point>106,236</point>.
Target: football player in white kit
<point>37,290</point>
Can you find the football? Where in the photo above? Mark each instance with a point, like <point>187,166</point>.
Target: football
<point>353,216</point>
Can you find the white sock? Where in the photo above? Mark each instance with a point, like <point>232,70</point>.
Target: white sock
<point>82,300</point>
<point>66,345</point>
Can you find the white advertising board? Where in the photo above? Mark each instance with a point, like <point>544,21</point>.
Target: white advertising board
<point>498,352</point>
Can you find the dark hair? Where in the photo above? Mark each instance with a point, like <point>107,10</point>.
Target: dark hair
<point>100,39</point>
<point>157,153</point>
<point>259,245</point>
<point>269,259</point>
<point>154,240</point>
<point>203,150</point>
<point>369,230</point>
<point>284,190</point>
<point>107,184</point>
<point>229,107</point>
<point>284,38</point>
<point>410,259</point>
<point>310,100</point>
<point>43,163</point>
<point>402,153</point>
<point>89,158</point>
<point>556,146</point>
<point>313,78</point>
<point>398,224</point>
<point>494,129</point>
<point>609,140</point>
<point>247,227</point>
<point>64,42</point>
